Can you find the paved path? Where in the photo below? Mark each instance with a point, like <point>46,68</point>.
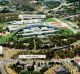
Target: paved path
<point>70,16</point>
<point>2,69</point>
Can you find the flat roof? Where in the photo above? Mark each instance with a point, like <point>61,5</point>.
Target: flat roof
<point>29,16</point>
<point>1,48</point>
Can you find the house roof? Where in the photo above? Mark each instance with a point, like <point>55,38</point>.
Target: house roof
<point>60,68</point>
<point>77,61</point>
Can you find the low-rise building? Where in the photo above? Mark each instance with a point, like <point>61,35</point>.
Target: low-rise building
<point>31,16</point>
<point>77,63</point>
<point>61,70</point>
<point>1,51</point>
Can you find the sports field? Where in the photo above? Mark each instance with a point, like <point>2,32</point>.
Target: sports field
<point>50,20</point>
<point>65,28</point>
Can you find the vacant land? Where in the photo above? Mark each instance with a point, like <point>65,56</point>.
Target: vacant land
<point>9,70</point>
<point>10,52</point>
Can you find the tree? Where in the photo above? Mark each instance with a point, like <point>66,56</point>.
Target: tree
<point>23,5</point>
<point>44,69</point>
<point>5,10</point>
<point>52,4</point>
<point>27,7</point>
<point>1,29</point>
<point>30,68</point>
<point>71,1</point>
<point>27,72</point>
<point>4,2</point>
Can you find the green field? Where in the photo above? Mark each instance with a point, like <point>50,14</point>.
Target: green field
<point>6,38</point>
<point>50,20</point>
<point>64,32</point>
<point>3,24</point>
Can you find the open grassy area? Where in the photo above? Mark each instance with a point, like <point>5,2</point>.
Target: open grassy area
<point>50,20</point>
<point>3,24</point>
<point>11,52</point>
<point>65,32</point>
<point>9,70</point>
<point>4,39</point>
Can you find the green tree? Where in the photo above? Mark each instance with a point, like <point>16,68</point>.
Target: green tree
<point>4,2</point>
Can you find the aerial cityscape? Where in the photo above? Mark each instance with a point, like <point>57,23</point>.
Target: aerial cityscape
<point>39,36</point>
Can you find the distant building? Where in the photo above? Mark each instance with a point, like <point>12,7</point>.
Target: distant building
<point>36,29</point>
<point>61,70</point>
<point>32,56</point>
<point>14,25</point>
<point>77,63</point>
<point>31,16</point>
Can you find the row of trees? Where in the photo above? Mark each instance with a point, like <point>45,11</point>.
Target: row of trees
<point>71,1</point>
<point>20,42</point>
<point>67,53</point>
<point>58,40</point>
<point>77,20</point>
<point>52,4</point>
<point>4,2</point>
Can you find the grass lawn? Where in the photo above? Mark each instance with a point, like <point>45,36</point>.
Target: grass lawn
<point>3,24</point>
<point>4,39</point>
<point>65,32</point>
<point>50,20</point>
